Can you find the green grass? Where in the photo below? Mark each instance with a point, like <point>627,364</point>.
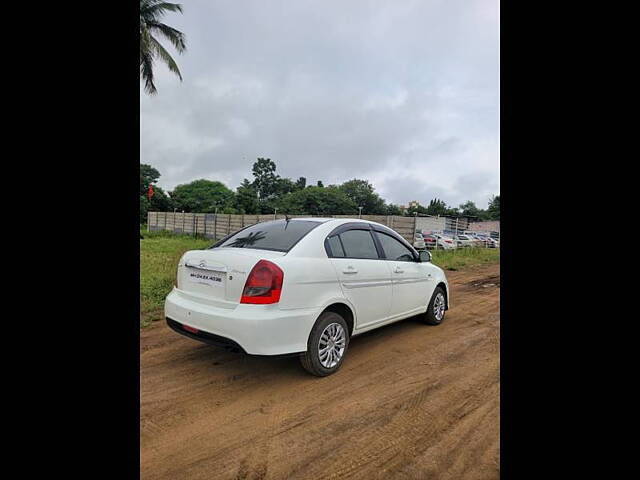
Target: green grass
<point>465,257</point>
<point>159,256</point>
<point>160,252</point>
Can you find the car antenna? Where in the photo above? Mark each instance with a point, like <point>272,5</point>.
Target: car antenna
<point>286,219</point>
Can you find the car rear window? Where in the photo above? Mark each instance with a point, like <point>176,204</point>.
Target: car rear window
<point>278,235</point>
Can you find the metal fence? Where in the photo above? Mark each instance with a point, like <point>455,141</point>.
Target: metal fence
<point>452,231</point>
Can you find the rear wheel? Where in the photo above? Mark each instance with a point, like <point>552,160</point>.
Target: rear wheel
<point>327,345</point>
<point>436,308</point>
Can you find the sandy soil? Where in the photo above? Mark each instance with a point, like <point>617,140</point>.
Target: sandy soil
<point>411,401</point>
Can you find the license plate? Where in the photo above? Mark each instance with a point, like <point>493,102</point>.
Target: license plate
<point>205,277</point>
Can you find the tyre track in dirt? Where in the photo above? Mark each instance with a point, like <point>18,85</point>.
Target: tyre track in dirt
<point>411,401</point>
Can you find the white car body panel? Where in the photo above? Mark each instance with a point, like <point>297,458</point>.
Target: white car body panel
<point>376,294</point>
<point>411,283</point>
<point>367,285</point>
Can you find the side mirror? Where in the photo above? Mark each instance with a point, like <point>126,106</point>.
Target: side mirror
<point>425,256</point>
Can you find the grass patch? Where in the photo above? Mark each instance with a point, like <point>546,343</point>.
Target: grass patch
<point>159,256</point>
<point>465,257</point>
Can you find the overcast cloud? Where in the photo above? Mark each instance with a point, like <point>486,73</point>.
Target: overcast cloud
<point>402,93</point>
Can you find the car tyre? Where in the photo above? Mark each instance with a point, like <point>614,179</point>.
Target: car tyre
<point>327,345</point>
<point>437,307</point>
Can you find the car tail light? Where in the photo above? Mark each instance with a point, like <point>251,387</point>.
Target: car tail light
<point>264,284</point>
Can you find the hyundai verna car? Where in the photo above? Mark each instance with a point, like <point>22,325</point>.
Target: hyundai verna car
<point>303,286</point>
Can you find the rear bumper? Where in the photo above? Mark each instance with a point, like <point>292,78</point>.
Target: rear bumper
<point>254,329</point>
<point>205,337</point>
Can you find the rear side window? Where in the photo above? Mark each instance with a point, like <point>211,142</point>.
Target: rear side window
<point>335,246</point>
<point>358,244</point>
<point>278,235</point>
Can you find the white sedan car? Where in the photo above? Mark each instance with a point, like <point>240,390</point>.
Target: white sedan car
<point>303,286</point>
<point>446,243</point>
<point>418,241</point>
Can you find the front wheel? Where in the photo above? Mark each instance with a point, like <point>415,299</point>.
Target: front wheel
<point>327,345</point>
<point>436,308</point>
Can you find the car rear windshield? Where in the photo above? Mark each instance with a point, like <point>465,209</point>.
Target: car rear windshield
<point>278,235</point>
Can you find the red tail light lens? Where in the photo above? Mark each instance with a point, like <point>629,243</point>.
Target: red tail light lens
<point>264,284</point>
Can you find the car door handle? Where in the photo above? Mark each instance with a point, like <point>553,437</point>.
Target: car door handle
<point>399,270</point>
<point>350,269</point>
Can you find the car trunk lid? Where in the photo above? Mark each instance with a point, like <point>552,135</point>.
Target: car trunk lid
<point>217,276</point>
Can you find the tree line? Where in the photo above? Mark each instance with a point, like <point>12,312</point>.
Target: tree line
<point>268,192</point>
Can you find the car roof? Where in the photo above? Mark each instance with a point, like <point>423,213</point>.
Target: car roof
<point>306,219</point>
<point>339,221</point>
<point>327,219</point>
<point>336,221</point>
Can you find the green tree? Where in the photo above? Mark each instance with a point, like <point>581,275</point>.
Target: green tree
<point>320,184</point>
<point>284,186</point>
<point>270,187</point>
<point>148,176</point>
<point>265,179</point>
<point>493,210</point>
<point>318,201</point>
<point>364,195</point>
<point>160,201</point>
<point>392,209</point>
<point>469,209</point>
<point>151,13</point>
<point>203,196</point>
<point>144,208</point>
<point>452,211</point>
<point>246,200</point>
<point>436,207</point>
<point>301,183</point>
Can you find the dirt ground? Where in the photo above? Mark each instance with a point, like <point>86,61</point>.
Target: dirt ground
<point>411,401</point>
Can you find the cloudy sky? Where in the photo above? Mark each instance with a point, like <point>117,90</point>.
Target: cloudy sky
<point>403,93</point>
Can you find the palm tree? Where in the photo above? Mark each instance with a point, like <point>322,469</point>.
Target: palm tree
<point>151,11</point>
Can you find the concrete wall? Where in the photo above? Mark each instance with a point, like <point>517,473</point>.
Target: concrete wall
<point>430,224</point>
<point>220,225</point>
<point>490,226</point>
